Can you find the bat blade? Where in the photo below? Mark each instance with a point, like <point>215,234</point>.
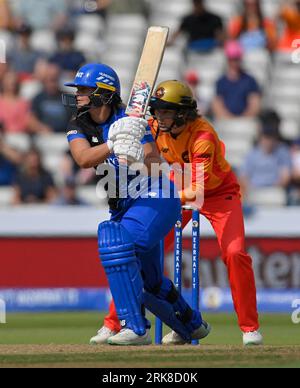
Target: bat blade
<point>147,71</point>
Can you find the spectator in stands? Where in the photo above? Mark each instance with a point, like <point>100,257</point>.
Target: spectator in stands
<point>98,7</point>
<point>33,184</point>
<point>203,29</point>
<point>238,94</point>
<point>135,6</point>
<point>68,195</point>
<point>5,15</point>
<point>251,28</point>
<point>23,58</point>
<point>193,80</point>
<point>270,118</point>
<point>68,168</point>
<point>50,14</point>
<point>15,112</point>
<point>9,160</point>
<point>67,58</point>
<point>294,193</point>
<point>4,67</point>
<point>268,164</point>
<point>290,16</point>
<point>48,111</point>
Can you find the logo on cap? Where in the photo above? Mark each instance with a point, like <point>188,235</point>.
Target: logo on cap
<point>160,93</point>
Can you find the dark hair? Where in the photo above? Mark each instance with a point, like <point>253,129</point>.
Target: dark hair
<point>244,26</point>
<point>198,2</point>
<point>192,114</point>
<point>65,32</point>
<point>269,118</point>
<point>34,150</point>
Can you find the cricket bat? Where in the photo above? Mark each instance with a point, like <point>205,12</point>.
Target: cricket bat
<point>146,75</point>
<point>147,71</point>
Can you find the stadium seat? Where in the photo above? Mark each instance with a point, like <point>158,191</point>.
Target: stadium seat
<point>270,196</point>
<point>236,150</point>
<point>282,58</point>
<point>19,141</point>
<point>168,74</point>
<point>270,8</point>
<point>128,24</point>
<point>290,129</point>
<point>170,10</point>
<point>173,58</point>
<point>206,92</point>
<point>7,44</point>
<point>113,58</point>
<point>225,9</point>
<point>52,144</point>
<point>92,24</point>
<point>6,196</point>
<point>90,46</point>
<point>235,159</point>
<point>92,195</point>
<point>125,42</point>
<point>286,74</point>
<point>176,7</point>
<point>43,40</point>
<point>30,89</point>
<point>287,109</point>
<point>52,164</point>
<point>285,92</point>
<point>237,128</point>
<point>257,63</point>
<point>160,20</point>
<point>216,58</point>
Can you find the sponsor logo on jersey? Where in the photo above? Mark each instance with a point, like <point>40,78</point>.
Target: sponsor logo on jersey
<point>95,139</point>
<point>74,132</point>
<point>185,157</point>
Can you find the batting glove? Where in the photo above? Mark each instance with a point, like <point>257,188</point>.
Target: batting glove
<point>133,126</point>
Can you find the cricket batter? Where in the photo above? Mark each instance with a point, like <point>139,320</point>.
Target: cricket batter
<point>129,243</point>
<point>183,136</point>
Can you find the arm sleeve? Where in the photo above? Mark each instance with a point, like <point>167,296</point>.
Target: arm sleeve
<point>285,159</point>
<point>234,27</point>
<point>253,86</point>
<point>247,167</point>
<point>49,182</point>
<point>202,154</point>
<point>35,107</point>
<point>74,132</point>
<point>184,25</point>
<point>219,23</point>
<point>220,88</point>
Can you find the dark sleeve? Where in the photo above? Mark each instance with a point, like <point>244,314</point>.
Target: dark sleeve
<point>253,85</point>
<point>219,23</point>
<point>74,131</point>
<point>35,106</point>
<point>48,180</point>
<point>185,24</point>
<point>17,179</point>
<point>220,87</point>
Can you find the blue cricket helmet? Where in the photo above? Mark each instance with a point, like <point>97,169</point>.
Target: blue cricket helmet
<point>97,75</point>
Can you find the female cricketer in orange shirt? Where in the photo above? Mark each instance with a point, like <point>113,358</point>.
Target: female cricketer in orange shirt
<point>182,136</point>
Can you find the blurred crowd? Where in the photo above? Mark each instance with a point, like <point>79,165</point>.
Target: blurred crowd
<point>45,45</point>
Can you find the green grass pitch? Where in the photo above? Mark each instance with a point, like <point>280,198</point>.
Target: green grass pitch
<point>61,339</point>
